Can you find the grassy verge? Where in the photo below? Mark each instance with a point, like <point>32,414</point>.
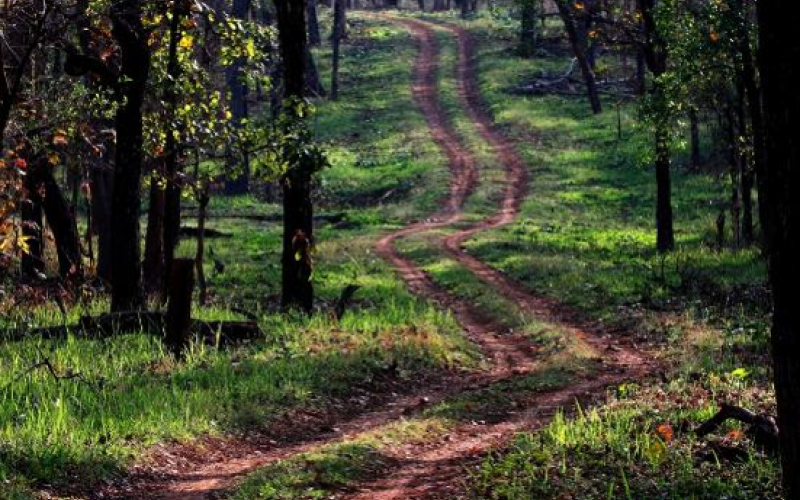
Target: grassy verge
<point>586,237</point>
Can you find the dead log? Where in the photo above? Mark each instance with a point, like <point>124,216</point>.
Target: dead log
<point>146,322</point>
<point>763,429</point>
<point>194,232</point>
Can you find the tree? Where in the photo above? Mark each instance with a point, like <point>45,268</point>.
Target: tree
<point>780,73</point>
<point>655,53</point>
<point>128,31</point>
<point>336,42</point>
<point>579,40</point>
<point>527,32</point>
<point>300,161</point>
<point>314,37</point>
<point>239,182</point>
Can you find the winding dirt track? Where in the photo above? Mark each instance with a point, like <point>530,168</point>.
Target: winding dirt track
<point>433,469</point>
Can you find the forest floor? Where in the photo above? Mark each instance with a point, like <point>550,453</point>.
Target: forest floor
<point>548,398</point>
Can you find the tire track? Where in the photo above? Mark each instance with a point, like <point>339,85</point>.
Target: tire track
<point>437,471</point>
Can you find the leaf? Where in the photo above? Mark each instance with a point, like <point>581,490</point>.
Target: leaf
<point>740,373</point>
<point>665,432</point>
<point>187,42</point>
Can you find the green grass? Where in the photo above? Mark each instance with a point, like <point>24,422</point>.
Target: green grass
<point>635,446</point>
<point>586,235</point>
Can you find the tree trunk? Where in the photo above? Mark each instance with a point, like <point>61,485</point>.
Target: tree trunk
<point>153,265</point>
<point>172,145</point>
<point>527,35</point>
<point>44,192</point>
<point>756,174</point>
<point>665,241</point>
<point>655,55</point>
<point>297,290</point>
<point>33,259</point>
<point>780,74</point>
<point>694,132</point>
<point>336,42</point>
<point>135,65</point>
<point>202,213</point>
<point>314,37</point>
<point>314,86</point>
<point>580,48</point>
<point>238,176</point>
<point>179,311</point>
<point>734,169</point>
<point>102,179</point>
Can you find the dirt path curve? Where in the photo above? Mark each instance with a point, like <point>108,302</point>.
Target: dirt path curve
<point>434,469</point>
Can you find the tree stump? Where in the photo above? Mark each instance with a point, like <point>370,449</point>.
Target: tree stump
<point>179,309</point>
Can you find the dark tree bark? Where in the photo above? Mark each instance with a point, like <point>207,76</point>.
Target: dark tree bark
<point>102,187</point>
<point>179,311</point>
<point>580,49</point>
<point>314,86</point>
<point>297,290</point>
<point>780,73</point>
<point>172,145</point>
<point>314,37</point>
<point>44,192</point>
<point>749,78</point>
<point>656,57</point>
<point>238,183</point>
<point>203,197</point>
<point>694,133</point>
<point>153,264</point>
<point>130,34</point>
<point>336,42</point>
<point>527,34</point>
<point>33,260</point>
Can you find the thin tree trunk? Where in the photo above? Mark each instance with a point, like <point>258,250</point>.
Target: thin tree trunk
<point>665,241</point>
<point>314,37</point>
<point>336,39</point>
<point>33,259</point>
<point>172,145</point>
<point>778,21</point>
<point>202,213</point>
<point>45,192</point>
<point>314,86</point>
<point>153,265</point>
<point>237,180</point>
<point>694,132</point>
<point>579,49</point>
<point>297,289</point>
<point>656,57</point>
<point>102,179</point>
<point>135,66</point>
<point>527,35</point>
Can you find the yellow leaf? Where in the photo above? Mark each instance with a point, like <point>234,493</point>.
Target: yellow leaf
<point>187,41</point>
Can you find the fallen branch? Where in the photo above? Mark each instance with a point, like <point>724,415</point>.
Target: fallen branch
<point>763,429</point>
<point>344,300</point>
